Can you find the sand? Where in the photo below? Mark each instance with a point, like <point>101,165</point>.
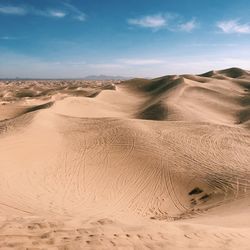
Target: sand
<point>142,164</point>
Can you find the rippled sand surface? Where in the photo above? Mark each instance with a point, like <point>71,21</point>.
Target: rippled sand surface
<point>140,164</point>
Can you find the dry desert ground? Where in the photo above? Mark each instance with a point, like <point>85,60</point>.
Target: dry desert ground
<point>139,164</point>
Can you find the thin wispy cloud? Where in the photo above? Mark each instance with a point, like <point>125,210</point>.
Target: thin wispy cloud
<point>211,45</point>
<point>170,21</point>
<point>12,10</point>
<point>188,26</point>
<point>8,38</point>
<point>70,63</point>
<point>77,14</point>
<point>105,66</point>
<point>234,26</point>
<point>125,63</point>
<point>136,61</point>
<point>154,21</point>
<point>60,12</point>
<point>57,13</point>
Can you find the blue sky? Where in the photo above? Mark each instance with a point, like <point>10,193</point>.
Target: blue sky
<point>144,38</point>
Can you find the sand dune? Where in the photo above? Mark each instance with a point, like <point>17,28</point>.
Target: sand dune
<point>147,164</point>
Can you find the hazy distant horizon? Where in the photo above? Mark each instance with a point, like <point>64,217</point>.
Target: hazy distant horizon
<point>92,77</point>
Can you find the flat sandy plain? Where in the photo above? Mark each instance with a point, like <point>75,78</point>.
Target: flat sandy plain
<point>141,164</point>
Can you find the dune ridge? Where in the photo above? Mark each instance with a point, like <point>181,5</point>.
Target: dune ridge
<point>142,164</point>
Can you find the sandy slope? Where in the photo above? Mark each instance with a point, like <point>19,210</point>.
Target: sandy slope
<point>154,164</point>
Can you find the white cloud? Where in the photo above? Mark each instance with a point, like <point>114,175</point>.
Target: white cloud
<point>57,13</point>
<point>12,10</point>
<point>81,17</point>
<point>154,21</point>
<point>234,26</point>
<point>48,13</point>
<point>188,26</point>
<point>140,61</point>
<point>169,21</point>
<point>77,14</point>
<point>60,12</point>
